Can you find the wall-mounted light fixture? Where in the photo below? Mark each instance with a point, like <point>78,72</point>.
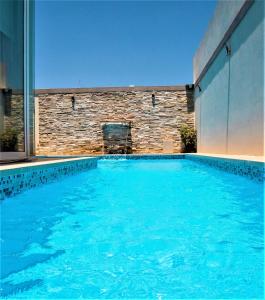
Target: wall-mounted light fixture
<point>153,100</point>
<point>189,87</point>
<point>73,102</point>
<point>228,49</point>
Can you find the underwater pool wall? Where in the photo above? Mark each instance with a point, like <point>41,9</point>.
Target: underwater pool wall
<point>15,179</point>
<point>248,168</point>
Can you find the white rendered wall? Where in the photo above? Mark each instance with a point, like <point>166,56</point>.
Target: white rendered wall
<point>224,15</point>
<point>230,107</point>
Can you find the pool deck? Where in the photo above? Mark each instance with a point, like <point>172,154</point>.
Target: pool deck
<point>60,159</point>
<point>237,157</point>
<point>40,162</point>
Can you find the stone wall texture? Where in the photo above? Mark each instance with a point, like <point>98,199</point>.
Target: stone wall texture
<point>64,128</point>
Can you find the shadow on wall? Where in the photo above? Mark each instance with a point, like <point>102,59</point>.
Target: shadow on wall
<point>117,137</point>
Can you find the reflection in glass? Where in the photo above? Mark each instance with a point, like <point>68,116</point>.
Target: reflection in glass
<point>12,136</point>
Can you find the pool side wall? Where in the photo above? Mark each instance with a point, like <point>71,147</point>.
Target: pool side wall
<point>16,180</point>
<point>251,169</point>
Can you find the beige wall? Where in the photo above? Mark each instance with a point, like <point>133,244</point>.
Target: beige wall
<point>62,130</point>
<point>230,106</point>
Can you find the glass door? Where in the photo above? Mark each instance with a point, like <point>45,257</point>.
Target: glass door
<point>13,80</point>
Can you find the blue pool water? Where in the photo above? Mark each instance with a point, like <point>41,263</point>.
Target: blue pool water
<point>135,229</point>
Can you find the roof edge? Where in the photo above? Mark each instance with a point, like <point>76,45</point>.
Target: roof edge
<point>227,34</point>
<point>112,89</point>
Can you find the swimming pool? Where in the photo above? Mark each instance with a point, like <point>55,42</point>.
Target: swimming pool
<point>135,229</point>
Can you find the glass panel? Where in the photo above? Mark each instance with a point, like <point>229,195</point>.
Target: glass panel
<point>31,68</point>
<point>12,138</point>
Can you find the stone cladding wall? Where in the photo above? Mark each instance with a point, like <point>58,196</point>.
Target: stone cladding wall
<point>67,127</point>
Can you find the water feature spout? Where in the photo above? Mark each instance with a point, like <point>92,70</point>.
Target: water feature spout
<point>117,137</point>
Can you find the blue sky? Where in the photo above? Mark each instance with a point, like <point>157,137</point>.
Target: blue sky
<point>117,43</point>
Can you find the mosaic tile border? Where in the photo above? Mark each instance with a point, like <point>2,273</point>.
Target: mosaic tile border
<point>16,180</point>
<point>251,169</point>
<point>142,156</point>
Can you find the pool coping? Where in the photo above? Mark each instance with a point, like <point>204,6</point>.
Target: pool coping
<point>60,159</point>
<point>49,163</point>
<point>252,158</point>
<point>216,155</point>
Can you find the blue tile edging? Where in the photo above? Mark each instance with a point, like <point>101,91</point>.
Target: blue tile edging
<point>16,180</point>
<point>142,156</point>
<point>251,169</point>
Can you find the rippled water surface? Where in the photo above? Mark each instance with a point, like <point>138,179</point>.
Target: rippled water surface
<point>135,229</point>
